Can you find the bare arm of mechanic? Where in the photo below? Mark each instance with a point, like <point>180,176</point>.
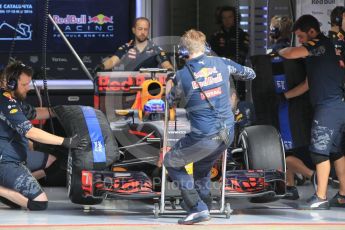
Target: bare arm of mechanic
<point>298,90</point>
<point>43,113</point>
<point>111,62</point>
<point>294,52</point>
<point>43,137</point>
<point>167,65</point>
<point>168,86</point>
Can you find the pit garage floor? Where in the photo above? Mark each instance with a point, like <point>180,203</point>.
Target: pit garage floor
<point>123,214</point>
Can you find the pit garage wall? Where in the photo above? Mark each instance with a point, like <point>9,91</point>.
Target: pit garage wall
<point>321,9</point>
<point>174,17</point>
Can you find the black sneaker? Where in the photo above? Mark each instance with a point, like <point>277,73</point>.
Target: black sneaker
<point>337,201</point>
<point>316,203</point>
<point>291,193</point>
<point>184,206</point>
<point>195,217</point>
<point>313,180</point>
<point>299,179</point>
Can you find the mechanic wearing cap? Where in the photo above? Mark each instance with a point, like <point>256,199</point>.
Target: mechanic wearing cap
<point>138,53</point>
<point>18,187</point>
<point>325,81</point>
<point>204,84</point>
<point>337,34</point>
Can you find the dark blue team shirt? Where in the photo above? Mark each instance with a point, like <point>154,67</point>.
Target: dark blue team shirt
<point>13,127</point>
<point>325,77</point>
<point>280,44</point>
<point>132,59</point>
<point>212,73</point>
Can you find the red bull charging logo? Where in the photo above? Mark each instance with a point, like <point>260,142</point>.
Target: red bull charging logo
<point>101,19</point>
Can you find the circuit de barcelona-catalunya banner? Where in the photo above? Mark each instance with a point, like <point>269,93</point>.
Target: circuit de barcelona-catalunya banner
<point>321,9</point>
<point>95,28</point>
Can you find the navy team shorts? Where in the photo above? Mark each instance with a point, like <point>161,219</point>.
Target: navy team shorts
<point>17,176</point>
<point>327,133</point>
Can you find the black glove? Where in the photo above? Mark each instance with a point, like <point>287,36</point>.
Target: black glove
<point>99,68</point>
<point>74,142</point>
<point>170,76</point>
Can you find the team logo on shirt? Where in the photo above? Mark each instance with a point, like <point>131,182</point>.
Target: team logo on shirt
<point>9,96</point>
<point>205,72</point>
<point>311,43</point>
<point>238,115</point>
<point>210,75</point>
<point>211,93</point>
<point>13,111</point>
<point>340,36</point>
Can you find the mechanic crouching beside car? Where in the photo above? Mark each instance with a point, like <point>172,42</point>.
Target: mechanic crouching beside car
<point>204,84</point>
<point>18,187</point>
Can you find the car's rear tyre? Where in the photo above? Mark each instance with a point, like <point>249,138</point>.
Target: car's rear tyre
<point>263,149</point>
<point>74,189</point>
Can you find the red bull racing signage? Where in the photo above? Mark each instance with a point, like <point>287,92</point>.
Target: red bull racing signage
<point>121,82</point>
<point>85,26</point>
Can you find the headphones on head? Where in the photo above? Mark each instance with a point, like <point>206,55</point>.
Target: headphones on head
<point>12,84</point>
<point>337,15</point>
<point>12,75</point>
<point>280,26</point>
<point>183,52</point>
<point>274,32</point>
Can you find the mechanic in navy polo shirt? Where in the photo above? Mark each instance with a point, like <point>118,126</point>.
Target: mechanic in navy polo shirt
<point>325,82</point>
<point>231,41</point>
<point>138,53</point>
<point>18,187</point>
<point>204,84</point>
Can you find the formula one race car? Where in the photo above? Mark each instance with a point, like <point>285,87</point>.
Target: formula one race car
<point>133,105</point>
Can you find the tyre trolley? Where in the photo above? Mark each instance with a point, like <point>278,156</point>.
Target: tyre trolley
<point>160,205</point>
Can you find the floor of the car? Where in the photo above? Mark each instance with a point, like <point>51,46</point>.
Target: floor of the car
<point>124,214</point>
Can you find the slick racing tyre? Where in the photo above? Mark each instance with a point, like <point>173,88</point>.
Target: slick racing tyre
<point>263,150</point>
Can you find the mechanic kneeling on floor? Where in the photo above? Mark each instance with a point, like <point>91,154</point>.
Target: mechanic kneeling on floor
<point>204,82</point>
<point>18,187</point>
